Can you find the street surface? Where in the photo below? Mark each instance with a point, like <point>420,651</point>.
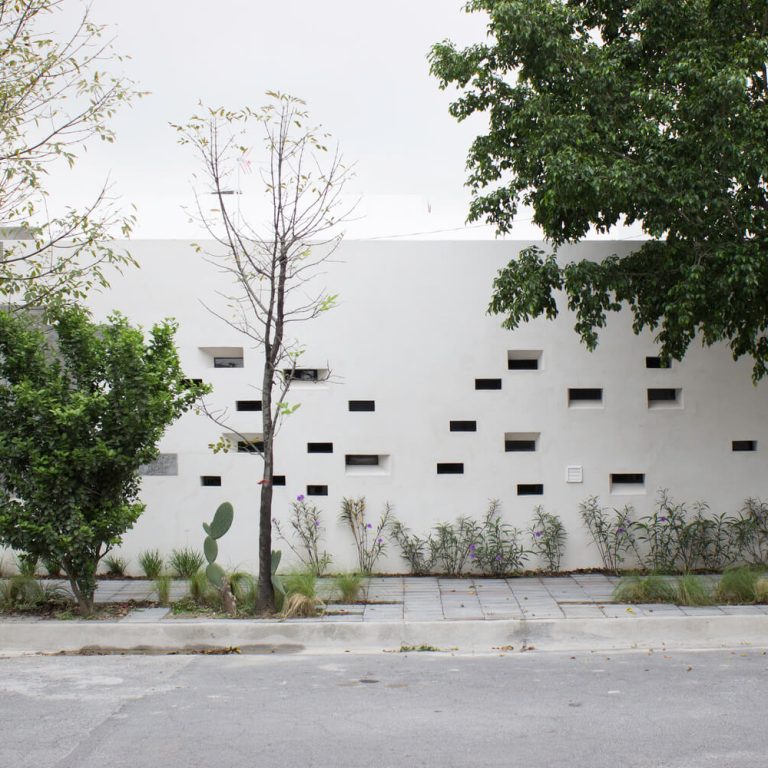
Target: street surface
<point>533,709</point>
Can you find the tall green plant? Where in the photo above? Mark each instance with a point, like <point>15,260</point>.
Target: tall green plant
<point>82,406</point>
<point>221,523</point>
<point>369,540</point>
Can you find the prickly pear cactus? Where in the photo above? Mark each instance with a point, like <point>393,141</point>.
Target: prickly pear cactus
<point>221,523</point>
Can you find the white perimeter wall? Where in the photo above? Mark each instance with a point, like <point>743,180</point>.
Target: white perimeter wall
<point>411,332</point>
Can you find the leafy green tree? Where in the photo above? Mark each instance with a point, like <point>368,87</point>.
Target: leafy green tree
<point>82,406</point>
<point>603,112</point>
<point>56,93</point>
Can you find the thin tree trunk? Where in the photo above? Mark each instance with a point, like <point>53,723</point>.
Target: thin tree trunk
<point>266,597</point>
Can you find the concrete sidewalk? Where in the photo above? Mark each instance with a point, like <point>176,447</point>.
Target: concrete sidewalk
<point>474,614</point>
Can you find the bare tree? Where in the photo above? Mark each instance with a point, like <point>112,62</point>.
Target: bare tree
<point>56,93</point>
<point>271,263</point>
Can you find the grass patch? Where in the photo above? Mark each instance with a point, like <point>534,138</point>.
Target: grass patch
<point>163,590</point>
<point>301,583</point>
<point>186,562</point>
<point>691,590</point>
<point>738,586</point>
<point>151,562</point>
<point>349,587</point>
<point>115,565</point>
<point>645,589</point>
<point>423,648</point>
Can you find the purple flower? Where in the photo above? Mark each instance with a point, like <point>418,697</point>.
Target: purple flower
<point>537,534</point>
<point>498,558</point>
<point>317,523</point>
<point>379,541</point>
<point>472,547</point>
<point>663,519</point>
<point>300,497</point>
<point>621,530</point>
<point>369,525</point>
<point>472,556</point>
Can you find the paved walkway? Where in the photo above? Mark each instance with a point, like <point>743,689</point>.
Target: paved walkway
<point>417,599</point>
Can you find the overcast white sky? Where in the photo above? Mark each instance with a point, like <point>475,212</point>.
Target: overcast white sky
<point>362,68</point>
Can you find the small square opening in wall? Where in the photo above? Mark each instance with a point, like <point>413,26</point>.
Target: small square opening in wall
<point>585,397</point>
<point>319,447</point>
<point>463,426</point>
<point>250,446</point>
<point>487,383</point>
<point>248,405</point>
<point>278,480</point>
<point>317,490</point>
<point>523,359</point>
<point>744,445</point>
<point>224,357</point>
<point>627,482</point>
<point>450,468</point>
<point>515,442</point>
<point>191,382</point>
<point>308,376</point>
<point>665,397</point>
<point>211,481</point>
<point>530,489</point>
<point>656,362</point>
<point>360,406</point>
<point>227,362</point>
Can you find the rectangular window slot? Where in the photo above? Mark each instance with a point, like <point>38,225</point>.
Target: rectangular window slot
<point>627,482</point>
<point>744,445</point>
<point>655,362</point>
<point>530,489</point>
<point>210,480</point>
<point>191,382</point>
<point>319,447</point>
<point>585,397</point>
<point>250,446</point>
<point>317,490</point>
<point>487,383</point>
<point>278,480</point>
<point>450,468</point>
<point>521,441</point>
<point>362,405</point>
<point>304,374</point>
<point>248,405</point>
<point>523,359</point>
<point>227,362</point>
<point>463,426</point>
<point>361,460</point>
<point>665,397</point>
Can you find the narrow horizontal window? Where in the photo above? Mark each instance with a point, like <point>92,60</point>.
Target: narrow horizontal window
<point>585,395</point>
<point>361,460</point>
<point>655,362</point>
<point>487,383</point>
<point>627,482</point>
<point>523,359</point>
<point>317,490</point>
<point>519,445</point>
<point>463,426</point>
<point>210,480</point>
<point>665,397</point>
<point>302,374</point>
<point>744,445</point>
<point>250,446</point>
<point>191,382</point>
<point>319,447</point>
<point>248,405</point>
<point>530,489</point>
<point>450,468</point>
<point>278,479</point>
<point>362,405</point>
<point>227,362</point>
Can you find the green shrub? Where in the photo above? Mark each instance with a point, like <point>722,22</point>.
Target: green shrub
<point>21,593</point>
<point>115,565</point>
<point>301,583</point>
<point>737,585</point>
<point>645,589</point>
<point>151,562</point>
<point>349,586</point>
<point>163,589</point>
<point>53,567</point>
<point>186,562</point>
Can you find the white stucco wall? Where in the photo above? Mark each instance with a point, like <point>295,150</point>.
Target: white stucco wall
<point>411,332</point>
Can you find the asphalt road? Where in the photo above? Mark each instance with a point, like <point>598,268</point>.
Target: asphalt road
<point>692,709</point>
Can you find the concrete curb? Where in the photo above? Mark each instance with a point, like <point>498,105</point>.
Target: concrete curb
<point>690,632</point>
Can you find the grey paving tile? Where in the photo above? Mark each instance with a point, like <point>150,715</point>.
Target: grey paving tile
<point>141,615</point>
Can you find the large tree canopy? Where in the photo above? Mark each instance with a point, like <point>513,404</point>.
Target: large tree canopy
<point>604,112</point>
